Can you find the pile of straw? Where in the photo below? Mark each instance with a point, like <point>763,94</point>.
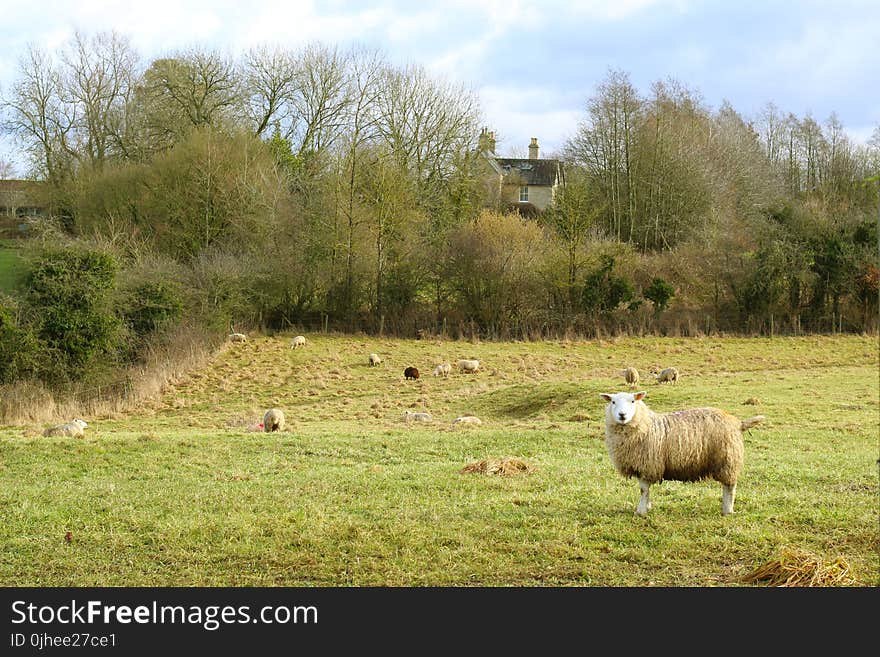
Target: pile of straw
<point>505,467</point>
<point>795,567</point>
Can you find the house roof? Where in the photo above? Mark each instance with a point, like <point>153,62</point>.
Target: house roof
<point>531,172</point>
<point>14,185</point>
<point>20,194</point>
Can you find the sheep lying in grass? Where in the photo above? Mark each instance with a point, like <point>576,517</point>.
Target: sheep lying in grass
<point>375,360</point>
<point>466,365</point>
<point>237,337</point>
<point>412,416</point>
<point>467,419</point>
<point>631,376</point>
<point>668,375</point>
<point>443,369</point>
<point>688,445</point>
<point>72,429</point>
<point>273,420</point>
<point>298,341</point>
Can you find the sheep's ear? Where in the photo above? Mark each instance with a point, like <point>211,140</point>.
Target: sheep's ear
<point>639,395</point>
<point>604,396</point>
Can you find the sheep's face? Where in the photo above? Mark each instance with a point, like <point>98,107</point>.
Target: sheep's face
<point>622,406</point>
<point>81,423</point>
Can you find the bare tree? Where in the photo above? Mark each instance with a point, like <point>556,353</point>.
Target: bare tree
<point>771,129</point>
<point>38,117</point>
<point>7,170</point>
<point>98,75</point>
<point>571,217</point>
<point>197,88</point>
<point>363,88</point>
<point>270,80</point>
<point>426,122</point>
<point>321,100</point>
<point>604,143</point>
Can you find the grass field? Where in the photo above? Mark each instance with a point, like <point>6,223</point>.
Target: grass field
<point>181,493</point>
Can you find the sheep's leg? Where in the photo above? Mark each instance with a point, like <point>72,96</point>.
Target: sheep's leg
<point>728,495</point>
<point>645,500</point>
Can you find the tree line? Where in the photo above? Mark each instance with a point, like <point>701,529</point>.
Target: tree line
<point>329,188</point>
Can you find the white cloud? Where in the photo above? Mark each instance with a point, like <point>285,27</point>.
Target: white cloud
<point>611,10</point>
<point>517,115</point>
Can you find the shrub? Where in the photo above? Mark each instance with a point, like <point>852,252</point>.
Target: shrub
<point>68,297</point>
<point>152,305</point>
<point>659,292</point>
<point>603,291</point>
<point>18,346</point>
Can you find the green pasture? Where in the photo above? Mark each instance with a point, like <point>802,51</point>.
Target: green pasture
<point>180,493</point>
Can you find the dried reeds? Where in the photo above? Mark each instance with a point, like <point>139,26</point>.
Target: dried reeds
<point>796,567</point>
<point>506,467</point>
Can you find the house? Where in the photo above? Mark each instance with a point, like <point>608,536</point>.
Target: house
<point>19,199</point>
<point>528,185</point>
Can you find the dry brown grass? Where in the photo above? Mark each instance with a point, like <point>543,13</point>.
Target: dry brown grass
<point>186,350</point>
<point>506,467</point>
<point>796,567</point>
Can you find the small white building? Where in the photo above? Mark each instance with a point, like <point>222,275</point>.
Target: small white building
<point>528,185</point>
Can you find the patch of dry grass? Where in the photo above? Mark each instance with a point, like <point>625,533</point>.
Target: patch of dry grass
<point>797,567</point>
<point>505,467</point>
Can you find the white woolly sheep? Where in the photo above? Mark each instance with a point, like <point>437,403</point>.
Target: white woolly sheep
<point>375,360</point>
<point>467,419</point>
<point>412,416</point>
<point>298,341</point>
<point>668,375</point>
<point>631,376</point>
<point>443,369</point>
<point>273,420</point>
<point>688,445</point>
<point>237,337</point>
<point>72,429</point>
<point>468,365</point>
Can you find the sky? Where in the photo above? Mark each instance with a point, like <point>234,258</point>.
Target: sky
<point>533,65</point>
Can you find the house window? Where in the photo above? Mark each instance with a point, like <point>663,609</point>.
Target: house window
<point>523,194</point>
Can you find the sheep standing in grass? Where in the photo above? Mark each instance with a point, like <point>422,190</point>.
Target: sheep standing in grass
<point>298,341</point>
<point>73,429</point>
<point>688,445</point>
<point>237,337</point>
<point>466,365</point>
<point>375,360</point>
<point>412,416</point>
<point>273,420</point>
<point>631,376</point>
<point>443,369</point>
<point>411,373</point>
<point>668,375</point>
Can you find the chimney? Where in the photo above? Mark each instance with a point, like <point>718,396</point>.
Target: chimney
<point>487,141</point>
<point>533,149</point>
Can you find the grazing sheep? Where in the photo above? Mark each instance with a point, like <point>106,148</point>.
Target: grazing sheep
<point>73,429</point>
<point>375,360</point>
<point>411,373</point>
<point>631,376</point>
<point>298,341</point>
<point>468,365</point>
<point>237,337</point>
<point>443,369</point>
<point>688,445</point>
<point>467,419</point>
<point>668,375</point>
<point>412,416</point>
<point>273,420</point>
